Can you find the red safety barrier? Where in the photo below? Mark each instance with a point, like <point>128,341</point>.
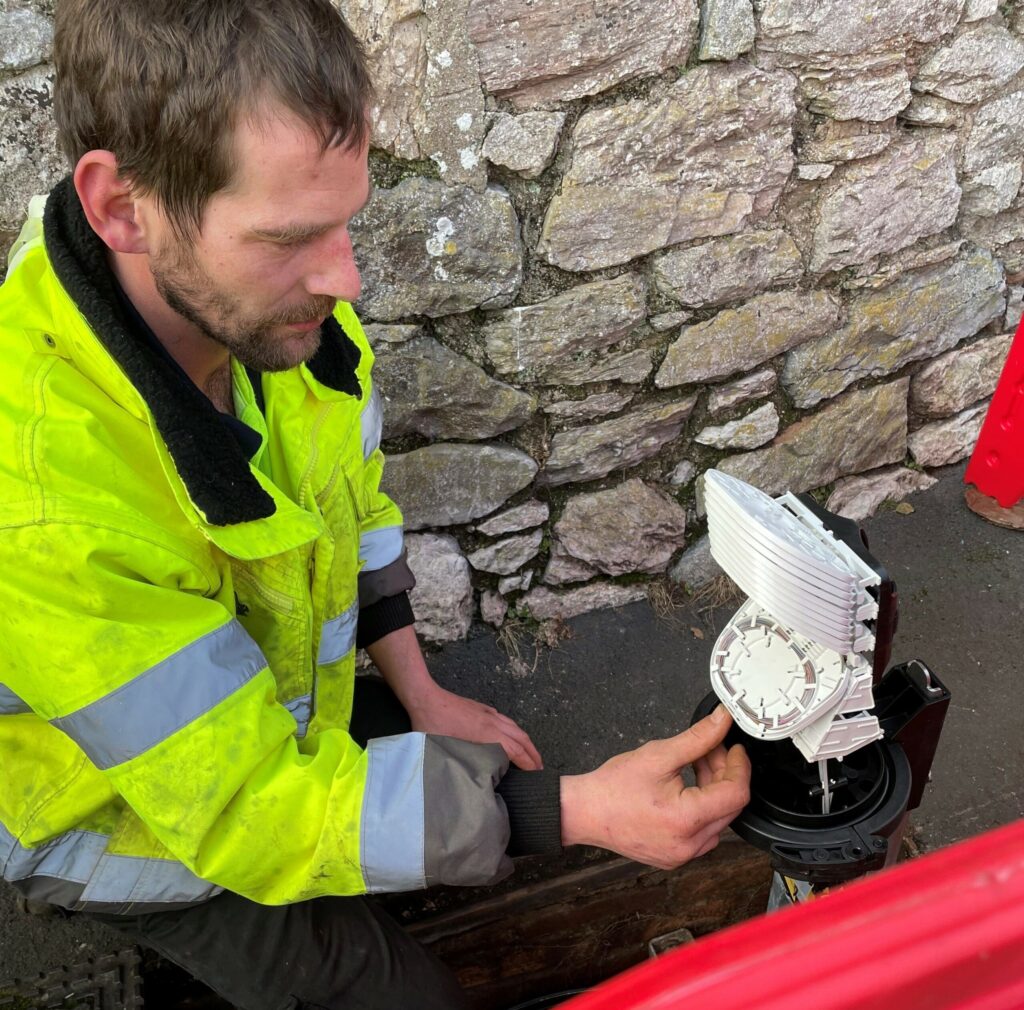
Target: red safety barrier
<point>996,468</point>
<point>943,932</point>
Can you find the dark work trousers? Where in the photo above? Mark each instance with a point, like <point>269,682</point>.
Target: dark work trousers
<point>323,954</point>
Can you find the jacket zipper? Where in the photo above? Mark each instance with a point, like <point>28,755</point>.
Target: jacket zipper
<point>277,600</point>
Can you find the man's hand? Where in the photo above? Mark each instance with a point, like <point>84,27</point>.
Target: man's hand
<point>432,709</point>
<point>637,805</point>
<point>446,714</point>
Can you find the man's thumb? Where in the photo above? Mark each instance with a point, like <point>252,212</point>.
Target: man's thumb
<point>701,738</point>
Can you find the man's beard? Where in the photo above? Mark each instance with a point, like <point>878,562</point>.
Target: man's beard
<point>220,316</point>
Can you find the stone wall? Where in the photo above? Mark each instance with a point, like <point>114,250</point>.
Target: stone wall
<point>614,244</point>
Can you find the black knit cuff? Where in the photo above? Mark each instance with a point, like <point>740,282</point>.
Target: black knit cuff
<point>383,617</point>
<point>534,804</point>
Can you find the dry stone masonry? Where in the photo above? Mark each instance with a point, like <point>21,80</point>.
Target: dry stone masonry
<point>614,244</point>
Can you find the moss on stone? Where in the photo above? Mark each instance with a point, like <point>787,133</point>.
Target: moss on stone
<point>387,171</point>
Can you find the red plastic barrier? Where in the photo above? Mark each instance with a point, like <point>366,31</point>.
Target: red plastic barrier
<point>941,932</point>
<point>997,463</point>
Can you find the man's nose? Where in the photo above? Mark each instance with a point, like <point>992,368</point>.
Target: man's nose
<point>334,272</point>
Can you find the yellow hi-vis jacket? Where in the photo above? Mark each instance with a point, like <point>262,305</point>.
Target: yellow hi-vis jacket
<point>177,623</point>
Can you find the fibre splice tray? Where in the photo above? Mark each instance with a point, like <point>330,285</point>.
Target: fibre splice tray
<point>840,748</point>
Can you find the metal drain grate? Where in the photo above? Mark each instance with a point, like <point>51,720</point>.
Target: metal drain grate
<point>103,983</point>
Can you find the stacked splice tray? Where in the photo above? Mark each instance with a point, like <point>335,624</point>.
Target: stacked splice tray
<point>791,663</point>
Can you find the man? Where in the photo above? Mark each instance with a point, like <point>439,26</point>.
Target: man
<point>194,544</point>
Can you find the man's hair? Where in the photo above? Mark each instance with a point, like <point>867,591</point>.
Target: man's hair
<point>163,85</point>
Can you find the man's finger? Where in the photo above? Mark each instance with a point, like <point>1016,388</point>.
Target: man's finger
<point>715,827</point>
<point>538,761</point>
<point>700,739</point>
<point>520,734</point>
<point>736,769</point>
<point>522,753</point>
<point>711,767</point>
<point>515,730</point>
<point>737,764</point>
<point>716,759</point>
<point>710,844</point>
<point>728,795</point>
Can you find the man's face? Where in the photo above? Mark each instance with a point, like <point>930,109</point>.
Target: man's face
<point>274,255</point>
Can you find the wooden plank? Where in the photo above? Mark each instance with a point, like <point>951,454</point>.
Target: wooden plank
<point>577,928</point>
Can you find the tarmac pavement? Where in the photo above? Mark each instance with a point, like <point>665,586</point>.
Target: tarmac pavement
<point>626,676</point>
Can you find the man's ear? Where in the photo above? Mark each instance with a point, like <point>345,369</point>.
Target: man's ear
<point>109,203</point>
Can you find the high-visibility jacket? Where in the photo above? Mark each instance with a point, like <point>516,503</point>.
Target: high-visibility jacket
<point>177,622</point>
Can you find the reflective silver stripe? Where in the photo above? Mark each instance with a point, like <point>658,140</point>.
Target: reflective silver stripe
<point>10,703</point>
<point>156,704</point>
<point>301,710</point>
<point>379,548</point>
<point>391,839</point>
<point>338,636</point>
<point>81,857</point>
<point>372,422</point>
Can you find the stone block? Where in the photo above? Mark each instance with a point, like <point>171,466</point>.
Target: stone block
<point>429,249</point>
<point>696,568</point>
<point>682,474</point>
<point>739,339</point>
<point>868,88</point>
<point>727,29</point>
<point>706,158</point>
<point>628,367</point>
<point>950,440</point>
<point>883,204</point>
<point>509,555</point>
<point>858,498</point>
<point>748,432</point>
<point>448,484</point>
<point>442,600</point>
<point>742,390</point>
<point>795,30</point>
<point>537,53</point>
<point>973,67</point>
<point>1014,309</point>
<point>858,431</point>
<point>978,9</point>
<point>598,405</point>
<point>435,392</point>
<point>528,340</point>
<point>28,144</point>
<point>563,569</point>
<point>521,517</point>
<point>728,269</point>
<point>429,100</point>
<point>544,605</point>
<point>929,110</point>
<point>493,608</point>
<point>959,378</point>
<point>838,141</point>
<point>993,155</point>
<point>919,316</point>
<point>630,528</point>
<point>526,143</point>
<point>26,39</point>
<point>587,453</point>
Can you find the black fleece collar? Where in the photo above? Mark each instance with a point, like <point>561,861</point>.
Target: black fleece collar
<point>209,461</point>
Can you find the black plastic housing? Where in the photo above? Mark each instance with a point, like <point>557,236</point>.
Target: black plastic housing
<point>876,785</point>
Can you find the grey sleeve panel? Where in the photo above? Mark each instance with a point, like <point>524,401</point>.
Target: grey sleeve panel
<point>466,828</point>
<point>387,581</point>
